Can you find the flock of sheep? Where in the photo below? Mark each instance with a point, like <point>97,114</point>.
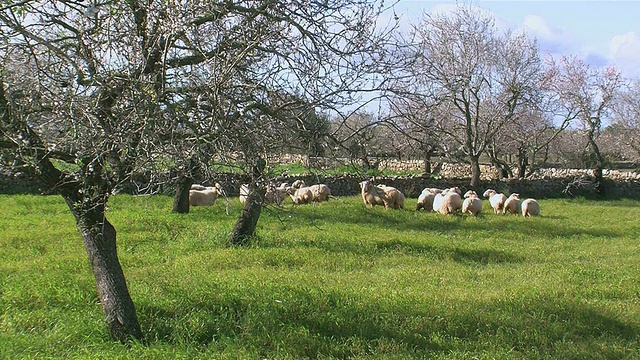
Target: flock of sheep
<point>444,201</point>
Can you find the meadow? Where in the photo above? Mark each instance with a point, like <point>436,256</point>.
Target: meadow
<point>331,281</point>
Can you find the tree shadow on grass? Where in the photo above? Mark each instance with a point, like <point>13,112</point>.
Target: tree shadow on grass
<point>509,225</point>
<point>319,323</point>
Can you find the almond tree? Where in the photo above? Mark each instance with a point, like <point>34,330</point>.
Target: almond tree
<point>483,77</point>
<point>94,93</point>
<point>588,95</point>
<point>626,120</point>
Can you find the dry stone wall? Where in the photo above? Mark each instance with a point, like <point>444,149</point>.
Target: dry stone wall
<point>545,183</point>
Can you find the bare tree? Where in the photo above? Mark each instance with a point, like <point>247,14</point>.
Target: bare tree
<point>588,94</point>
<point>626,121</point>
<point>483,75</point>
<point>93,94</point>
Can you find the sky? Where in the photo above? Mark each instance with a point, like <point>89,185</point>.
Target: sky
<point>602,33</point>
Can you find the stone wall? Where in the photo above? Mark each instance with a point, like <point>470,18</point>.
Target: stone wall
<point>546,183</point>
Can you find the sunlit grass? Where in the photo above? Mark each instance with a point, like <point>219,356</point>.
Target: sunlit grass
<point>334,280</point>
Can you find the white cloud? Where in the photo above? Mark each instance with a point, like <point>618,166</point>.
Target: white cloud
<point>625,53</point>
<point>551,39</point>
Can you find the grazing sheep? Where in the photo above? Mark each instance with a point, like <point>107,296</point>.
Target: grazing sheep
<point>438,199</point>
<point>244,193</point>
<point>425,200</point>
<point>472,203</point>
<point>448,202</point>
<point>276,195</point>
<point>303,195</point>
<point>204,197</point>
<point>512,205</point>
<point>272,195</point>
<point>530,207</point>
<point>198,187</point>
<point>497,200</point>
<point>321,192</point>
<point>298,184</point>
<point>389,197</point>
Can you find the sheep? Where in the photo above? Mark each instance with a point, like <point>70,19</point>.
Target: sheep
<point>321,192</point>
<point>425,200</point>
<point>530,207</point>
<point>449,201</point>
<point>512,205</point>
<point>272,195</point>
<point>298,184</point>
<point>497,200</point>
<point>276,195</point>
<point>389,197</point>
<point>204,197</point>
<point>302,195</point>
<point>244,193</point>
<point>472,203</point>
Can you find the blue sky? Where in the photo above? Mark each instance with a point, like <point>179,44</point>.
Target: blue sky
<point>599,32</point>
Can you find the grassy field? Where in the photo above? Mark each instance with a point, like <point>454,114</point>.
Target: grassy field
<point>332,281</point>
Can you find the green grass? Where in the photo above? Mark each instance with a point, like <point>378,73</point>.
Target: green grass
<point>331,281</point>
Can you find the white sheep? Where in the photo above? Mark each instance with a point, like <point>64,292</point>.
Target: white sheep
<point>321,192</point>
<point>298,184</point>
<point>204,197</point>
<point>512,205</point>
<point>496,199</point>
<point>530,207</point>
<point>276,195</point>
<point>272,195</point>
<point>302,195</point>
<point>425,200</point>
<point>472,203</point>
<point>388,196</point>
<point>448,202</point>
<point>244,193</point>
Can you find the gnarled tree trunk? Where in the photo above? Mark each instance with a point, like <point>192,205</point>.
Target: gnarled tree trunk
<point>475,172</point>
<point>246,225</point>
<point>181,197</point>
<point>100,243</point>
<point>247,222</point>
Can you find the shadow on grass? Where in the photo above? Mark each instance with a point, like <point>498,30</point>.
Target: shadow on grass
<point>509,225</point>
<point>318,323</point>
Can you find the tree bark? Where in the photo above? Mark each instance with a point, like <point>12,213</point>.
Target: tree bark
<point>427,163</point>
<point>475,172</point>
<point>181,197</point>
<point>245,227</point>
<point>523,162</point>
<point>599,165</point>
<point>99,237</point>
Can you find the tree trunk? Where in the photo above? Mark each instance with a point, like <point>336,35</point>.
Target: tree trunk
<point>475,172</point>
<point>246,225</point>
<point>523,162</point>
<point>181,197</point>
<point>100,243</point>
<point>599,178</point>
<point>427,163</point>
<point>599,166</point>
